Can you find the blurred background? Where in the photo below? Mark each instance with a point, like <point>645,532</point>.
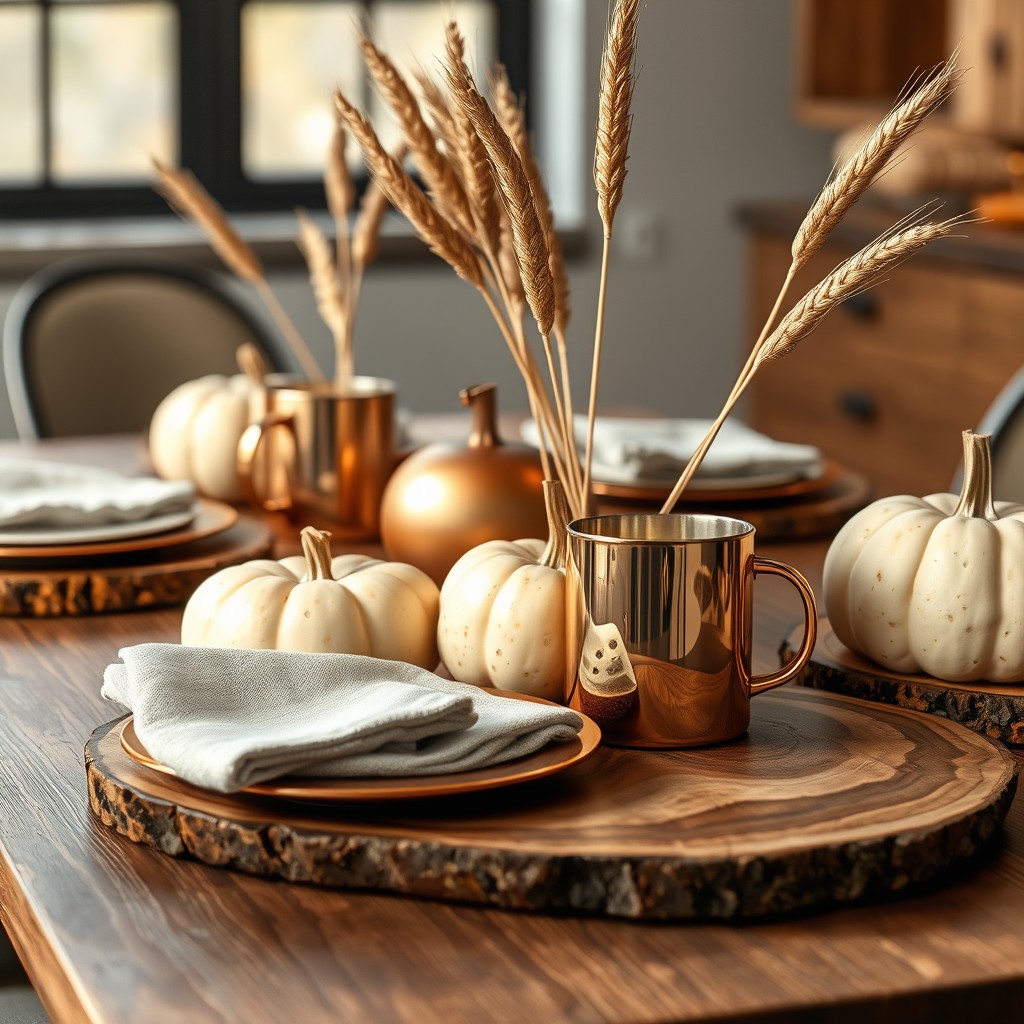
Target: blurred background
<point>738,111</point>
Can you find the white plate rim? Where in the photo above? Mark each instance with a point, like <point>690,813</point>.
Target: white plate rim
<point>35,536</point>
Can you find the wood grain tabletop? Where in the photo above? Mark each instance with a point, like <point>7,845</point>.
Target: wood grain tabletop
<point>113,932</point>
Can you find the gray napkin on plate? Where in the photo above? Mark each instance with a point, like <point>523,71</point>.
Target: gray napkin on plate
<point>38,493</point>
<point>657,450</point>
<point>225,719</point>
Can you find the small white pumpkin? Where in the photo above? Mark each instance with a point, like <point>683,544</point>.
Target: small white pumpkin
<point>934,584</point>
<point>502,617</point>
<point>195,430</point>
<point>349,605</point>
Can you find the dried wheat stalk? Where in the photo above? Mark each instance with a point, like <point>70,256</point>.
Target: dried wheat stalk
<point>528,236</point>
<point>330,302</point>
<point>862,270</point>
<point>440,116</point>
<point>184,193</point>
<point>610,155</point>
<point>442,182</point>
<point>341,195</point>
<point>439,234</point>
<point>510,116</point>
<point>614,121</point>
<point>854,177</point>
<point>471,157</point>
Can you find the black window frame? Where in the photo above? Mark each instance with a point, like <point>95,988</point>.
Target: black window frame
<point>210,132</point>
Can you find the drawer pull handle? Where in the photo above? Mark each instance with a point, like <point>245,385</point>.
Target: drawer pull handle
<point>862,306</point>
<point>859,406</point>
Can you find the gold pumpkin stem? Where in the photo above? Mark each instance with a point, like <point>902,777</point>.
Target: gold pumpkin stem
<point>557,509</point>
<point>316,546</point>
<point>976,493</point>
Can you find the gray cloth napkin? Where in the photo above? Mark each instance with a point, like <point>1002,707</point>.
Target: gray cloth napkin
<point>657,450</point>
<point>38,493</point>
<point>225,719</point>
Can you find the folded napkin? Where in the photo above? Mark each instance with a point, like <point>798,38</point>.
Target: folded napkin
<point>657,450</point>
<point>35,493</point>
<point>225,719</point>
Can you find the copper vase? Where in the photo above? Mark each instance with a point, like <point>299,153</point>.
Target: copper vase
<point>449,497</point>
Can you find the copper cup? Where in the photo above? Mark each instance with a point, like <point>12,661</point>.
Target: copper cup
<point>659,621</point>
<point>331,450</point>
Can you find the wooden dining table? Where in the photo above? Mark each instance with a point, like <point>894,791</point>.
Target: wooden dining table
<point>112,931</point>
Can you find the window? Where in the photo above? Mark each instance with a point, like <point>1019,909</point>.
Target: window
<point>236,90</point>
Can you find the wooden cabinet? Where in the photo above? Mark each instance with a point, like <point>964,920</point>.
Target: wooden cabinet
<point>889,380</point>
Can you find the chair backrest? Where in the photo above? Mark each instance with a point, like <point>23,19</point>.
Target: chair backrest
<point>1004,421</point>
<point>92,347</point>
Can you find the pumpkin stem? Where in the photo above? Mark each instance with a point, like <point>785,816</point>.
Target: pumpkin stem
<point>316,546</point>
<point>482,400</point>
<point>557,509</point>
<point>976,493</point>
<point>252,363</point>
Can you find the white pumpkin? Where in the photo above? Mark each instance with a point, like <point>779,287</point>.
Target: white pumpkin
<point>934,584</point>
<point>502,616</point>
<point>349,605</point>
<point>195,430</point>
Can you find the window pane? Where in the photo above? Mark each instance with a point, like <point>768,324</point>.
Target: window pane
<point>114,90</point>
<point>21,155</point>
<point>293,57</point>
<point>411,33</point>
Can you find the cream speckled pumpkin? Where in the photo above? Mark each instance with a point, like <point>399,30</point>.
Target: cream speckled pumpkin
<point>349,605</point>
<point>502,615</point>
<point>934,584</point>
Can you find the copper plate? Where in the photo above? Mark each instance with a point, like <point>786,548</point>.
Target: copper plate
<point>213,517</point>
<point>555,757</point>
<point>709,494</point>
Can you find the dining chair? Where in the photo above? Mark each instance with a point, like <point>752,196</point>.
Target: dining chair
<point>1004,422</point>
<point>91,346</point>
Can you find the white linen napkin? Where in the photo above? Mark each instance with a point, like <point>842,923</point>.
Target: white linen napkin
<point>657,450</point>
<point>38,493</point>
<point>225,719</point>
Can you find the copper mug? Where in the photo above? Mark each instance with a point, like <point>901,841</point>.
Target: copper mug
<point>659,621</point>
<point>331,451</point>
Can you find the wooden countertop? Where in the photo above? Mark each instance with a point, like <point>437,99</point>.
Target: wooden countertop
<point>114,932</point>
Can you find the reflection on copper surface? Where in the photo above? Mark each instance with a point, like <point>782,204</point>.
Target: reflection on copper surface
<point>669,664</point>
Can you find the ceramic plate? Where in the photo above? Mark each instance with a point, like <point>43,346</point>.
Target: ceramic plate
<point>555,757</point>
<point>203,519</point>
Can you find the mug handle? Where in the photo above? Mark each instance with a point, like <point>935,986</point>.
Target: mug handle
<point>248,447</point>
<point>770,567</point>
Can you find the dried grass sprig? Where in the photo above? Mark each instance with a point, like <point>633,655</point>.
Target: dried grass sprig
<point>510,115</point>
<point>330,302</point>
<point>471,156</point>
<point>188,198</point>
<point>439,175</point>
<point>851,180</point>
<point>185,195</point>
<point>528,237</point>
<point>441,118</point>
<point>861,271</point>
<point>613,120</point>
<point>366,232</point>
<point>440,236</point>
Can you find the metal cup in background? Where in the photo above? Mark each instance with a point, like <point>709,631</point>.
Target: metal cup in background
<point>336,449</point>
<point>659,621</point>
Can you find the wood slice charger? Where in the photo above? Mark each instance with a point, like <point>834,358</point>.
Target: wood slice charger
<point>826,800</point>
<point>993,709</point>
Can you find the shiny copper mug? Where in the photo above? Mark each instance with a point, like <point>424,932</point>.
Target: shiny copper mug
<point>334,449</point>
<point>659,620</point>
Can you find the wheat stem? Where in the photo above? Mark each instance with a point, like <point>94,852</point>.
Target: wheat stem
<point>595,372</point>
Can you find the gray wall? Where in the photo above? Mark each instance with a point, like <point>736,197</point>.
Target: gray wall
<point>713,126</point>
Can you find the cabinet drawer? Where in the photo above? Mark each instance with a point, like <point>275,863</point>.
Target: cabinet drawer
<point>876,386</point>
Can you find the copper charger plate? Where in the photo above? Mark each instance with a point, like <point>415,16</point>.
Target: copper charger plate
<point>213,517</point>
<point>831,473</point>
<point>555,757</point>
